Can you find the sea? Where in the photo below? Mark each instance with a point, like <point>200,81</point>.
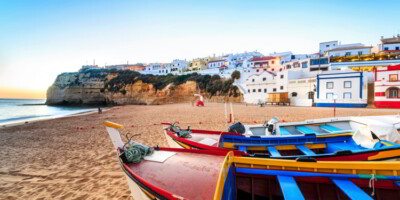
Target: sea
<point>25,110</point>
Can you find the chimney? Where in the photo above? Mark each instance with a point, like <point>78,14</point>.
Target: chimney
<point>381,37</point>
<point>398,35</point>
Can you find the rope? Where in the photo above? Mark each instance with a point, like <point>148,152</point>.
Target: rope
<point>179,132</point>
<point>372,184</point>
<point>135,152</point>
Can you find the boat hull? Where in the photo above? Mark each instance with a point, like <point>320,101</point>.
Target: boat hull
<point>371,155</point>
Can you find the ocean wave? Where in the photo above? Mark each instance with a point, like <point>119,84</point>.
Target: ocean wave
<point>22,118</point>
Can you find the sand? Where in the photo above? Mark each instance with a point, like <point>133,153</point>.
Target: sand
<point>73,158</point>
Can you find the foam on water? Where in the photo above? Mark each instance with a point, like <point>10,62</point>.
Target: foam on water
<point>17,110</point>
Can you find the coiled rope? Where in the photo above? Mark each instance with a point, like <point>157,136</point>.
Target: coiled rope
<point>135,152</point>
<point>179,132</point>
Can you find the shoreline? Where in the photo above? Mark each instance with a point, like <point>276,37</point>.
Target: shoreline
<point>40,119</point>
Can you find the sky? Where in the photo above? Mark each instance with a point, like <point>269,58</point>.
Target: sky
<point>40,39</point>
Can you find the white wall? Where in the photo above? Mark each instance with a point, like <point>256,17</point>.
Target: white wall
<point>352,52</point>
<point>327,46</point>
<point>390,47</point>
<point>302,87</point>
<point>338,80</point>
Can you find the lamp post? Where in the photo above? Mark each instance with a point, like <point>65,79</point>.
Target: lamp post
<point>335,96</point>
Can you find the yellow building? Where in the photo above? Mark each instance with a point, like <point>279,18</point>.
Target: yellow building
<point>197,64</point>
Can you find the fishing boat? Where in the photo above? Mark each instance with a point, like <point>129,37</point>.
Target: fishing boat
<point>385,127</point>
<point>321,140</point>
<point>178,174</point>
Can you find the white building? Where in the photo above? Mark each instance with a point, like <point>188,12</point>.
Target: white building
<point>237,60</point>
<point>302,91</point>
<point>350,89</point>
<point>256,87</point>
<point>349,50</point>
<point>303,64</point>
<point>175,66</point>
<point>325,46</point>
<point>390,44</point>
<point>215,64</point>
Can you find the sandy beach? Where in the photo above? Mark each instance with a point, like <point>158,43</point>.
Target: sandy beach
<point>73,158</point>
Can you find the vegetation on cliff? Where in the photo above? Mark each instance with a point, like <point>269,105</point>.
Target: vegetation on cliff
<point>213,85</point>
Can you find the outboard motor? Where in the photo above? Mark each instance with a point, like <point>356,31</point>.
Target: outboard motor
<point>237,128</point>
<point>271,124</point>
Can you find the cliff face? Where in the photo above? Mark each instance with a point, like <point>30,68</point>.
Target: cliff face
<point>91,89</point>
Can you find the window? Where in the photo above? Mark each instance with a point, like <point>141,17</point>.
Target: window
<point>360,53</point>
<point>347,84</point>
<point>386,49</point>
<point>248,90</point>
<point>310,95</point>
<point>274,90</point>
<point>281,87</point>
<point>257,70</point>
<point>397,48</point>
<point>393,77</point>
<point>347,95</point>
<point>273,62</point>
<point>329,95</point>
<point>281,76</point>
<point>288,66</point>
<point>329,85</point>
<point>347,54</point>
<point>273,69</point>
<point>265,90</point>
<point>259,90</point>
<point>264,79</point>
<point>327,45</point>
<point>296,65</point>
<point>252,80</point>
<point>294,94</point>
<point>393,93</point>
<point>304,65</point>
<point>254,90</point>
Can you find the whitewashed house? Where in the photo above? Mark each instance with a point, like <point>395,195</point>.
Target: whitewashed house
<point>257,86</point>
<point>215,64</point>
<point>389,45</point>
<point>349,50</point>
<point>301,92</point>
<point>350,89</point>
<point>387,87</point>
<point>302,64</point>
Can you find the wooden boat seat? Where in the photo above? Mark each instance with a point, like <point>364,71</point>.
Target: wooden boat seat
<point>274,152</point>
<point>305,130</point>
<point>305,150</point>
<point>283,131</point>
<point>289,188</point>
<point>330,128</point>
<point>350,189</point>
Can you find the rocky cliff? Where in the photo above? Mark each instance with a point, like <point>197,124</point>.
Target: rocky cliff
<point>102,87</point>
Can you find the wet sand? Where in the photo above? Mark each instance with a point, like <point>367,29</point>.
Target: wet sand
<point>73,158</point>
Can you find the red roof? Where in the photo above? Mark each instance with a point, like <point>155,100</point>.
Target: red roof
<point>223,66</point>
<point>263,58</point>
